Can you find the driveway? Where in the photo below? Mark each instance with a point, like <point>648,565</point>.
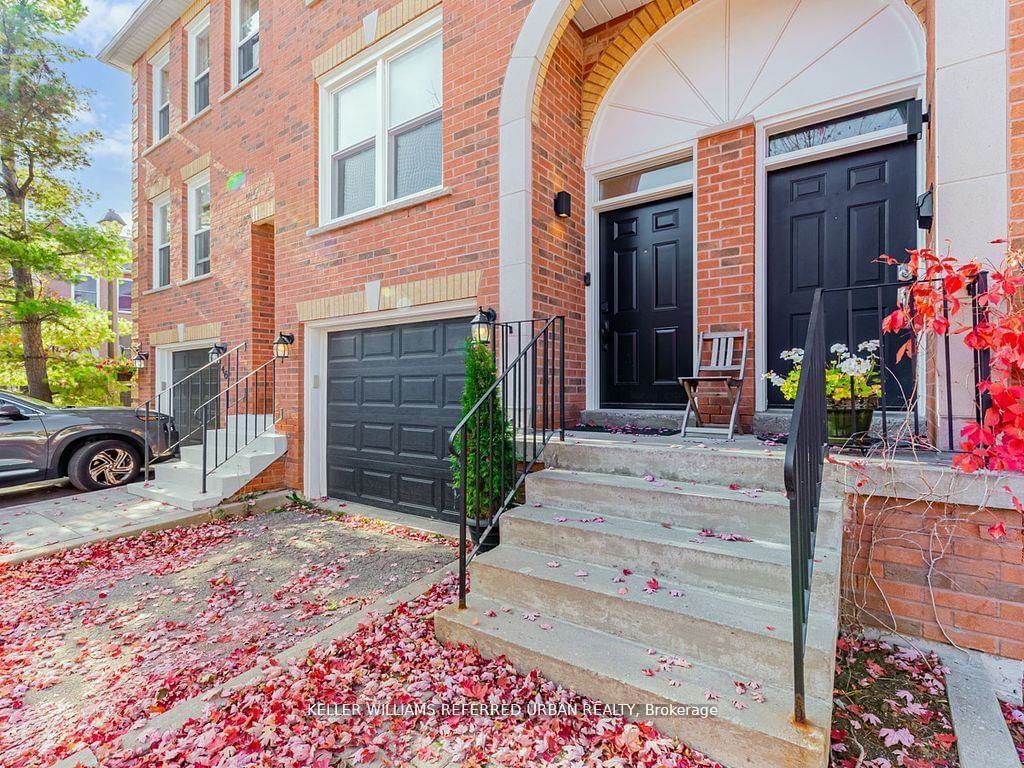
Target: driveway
<point>100,637</point>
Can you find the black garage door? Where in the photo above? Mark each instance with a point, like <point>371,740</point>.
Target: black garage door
<point>393,396</point>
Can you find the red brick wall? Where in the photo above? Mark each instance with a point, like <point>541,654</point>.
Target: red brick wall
<point>725,242</point>
<point>976,582</point>
<point>559,259</point>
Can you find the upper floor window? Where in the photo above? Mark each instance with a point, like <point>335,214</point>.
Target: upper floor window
<point>199,225</point>
<point>86,291</point>
<point>199,64</point>
<point>380,133</point>
<point>245,38</point>
<point>161,69</point>
<point>162,241</point>
<point>124,295</point>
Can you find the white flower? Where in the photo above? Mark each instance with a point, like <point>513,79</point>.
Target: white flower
<point>855,366</point>
<point>774,378</point>
<point>794,355</point>
<point>869,346</point>
<point>839,349</point>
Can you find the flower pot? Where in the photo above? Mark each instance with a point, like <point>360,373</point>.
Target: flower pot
<point>125,376</point>
<point>844,427</point>
<point>490,541</point>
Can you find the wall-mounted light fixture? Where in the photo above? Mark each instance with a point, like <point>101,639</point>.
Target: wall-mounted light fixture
<point>563,205</point>
<point>217,351</point>
<point>481,325</point>
<point>140,359</point>
<point>926,210</point>
<point>283,345</point>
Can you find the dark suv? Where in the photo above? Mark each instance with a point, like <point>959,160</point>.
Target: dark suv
<point>93,447</point>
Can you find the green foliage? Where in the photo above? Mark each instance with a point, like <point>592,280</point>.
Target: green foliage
<point>490,450</point>
<point>43,236</point>
<point>77,377</point>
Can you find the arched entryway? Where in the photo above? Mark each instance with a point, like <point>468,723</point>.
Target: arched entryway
<point>709,83</point>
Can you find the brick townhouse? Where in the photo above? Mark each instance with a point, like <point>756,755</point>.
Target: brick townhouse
<point>366,174</point>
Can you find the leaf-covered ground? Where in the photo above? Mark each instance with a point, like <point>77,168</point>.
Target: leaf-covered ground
<point>95,639</point>
<point>395,660</point>
<point>1015,722</point>
<point>891,708</point>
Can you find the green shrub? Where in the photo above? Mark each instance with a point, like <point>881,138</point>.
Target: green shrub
<point>488,477</point>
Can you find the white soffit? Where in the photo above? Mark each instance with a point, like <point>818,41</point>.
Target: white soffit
<point>146,24</point>
<point>724,60</point>
<point>595,12</point>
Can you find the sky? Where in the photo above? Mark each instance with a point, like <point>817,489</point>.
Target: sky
<point>109,176</point>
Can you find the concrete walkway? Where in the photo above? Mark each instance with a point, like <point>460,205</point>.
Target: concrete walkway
<point>52,525</point>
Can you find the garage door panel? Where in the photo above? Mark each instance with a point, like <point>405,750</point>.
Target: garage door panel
<point>394,395</point>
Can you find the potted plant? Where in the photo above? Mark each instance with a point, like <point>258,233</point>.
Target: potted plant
<point>122,367</point>
<point>852,388</point>
<point>490,450</point>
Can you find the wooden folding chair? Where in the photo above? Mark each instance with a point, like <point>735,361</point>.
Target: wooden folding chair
<point>728,352</point>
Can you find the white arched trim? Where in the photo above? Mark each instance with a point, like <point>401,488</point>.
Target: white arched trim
<point>515,167</point>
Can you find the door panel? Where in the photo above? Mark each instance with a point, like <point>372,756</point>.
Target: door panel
<point>23,448</point>
<point>646,303</point>
<point>193,393</point>
<point>828,222</point>
<point>393,396</point>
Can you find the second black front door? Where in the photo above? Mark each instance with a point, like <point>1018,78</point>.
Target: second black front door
<point>646,307</point>
<point>828,223</point>
<point>197,387</point>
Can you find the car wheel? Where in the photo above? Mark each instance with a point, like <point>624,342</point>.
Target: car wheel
<point>103,464</point>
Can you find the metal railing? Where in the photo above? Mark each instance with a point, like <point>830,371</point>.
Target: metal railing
<point>174,403</point>
<point>806,449</point>
<point>243,409</point>
<point>900,389</point>
<point>520,412</point>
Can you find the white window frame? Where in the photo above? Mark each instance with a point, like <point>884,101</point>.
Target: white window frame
<point>236,42</point>
<point>74,290</point>
<point>156,64</point>
<point>158,203</point>
<point>193,185</point>
<point>373,60</point>
<point>198,25</point>
<point>117,294</point>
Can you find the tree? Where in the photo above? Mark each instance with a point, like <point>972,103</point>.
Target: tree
<point>43,236</point>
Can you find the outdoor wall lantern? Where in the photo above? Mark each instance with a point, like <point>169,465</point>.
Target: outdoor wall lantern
<point>563,205</point>
<point>283,345</point>
<point>481,325</point>
<point>217,351</point>
<point>140,359</point>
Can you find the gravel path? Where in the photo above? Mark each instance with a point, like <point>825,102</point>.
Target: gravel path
<point>97,639</point>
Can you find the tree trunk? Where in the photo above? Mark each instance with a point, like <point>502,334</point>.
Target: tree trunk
<point>32,340</point>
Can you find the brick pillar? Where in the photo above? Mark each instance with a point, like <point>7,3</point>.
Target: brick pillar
<point>1016,120</point>
<point>725,243</point>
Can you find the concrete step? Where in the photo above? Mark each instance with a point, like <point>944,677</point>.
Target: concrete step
<point>176,496</point>
<point>611,670</point>
<point>735,567</point>
<point>619,417</point>
<point>225,479</point>
<point>683,462</point>
<point>701,624</point>
<point>762,515</point>
<point>193,454</point>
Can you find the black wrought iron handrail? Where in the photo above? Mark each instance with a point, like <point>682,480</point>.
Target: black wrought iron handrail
<point>526,404</point>
<point>806,449</point>
<point>257,389</point>
<point>153,409</point>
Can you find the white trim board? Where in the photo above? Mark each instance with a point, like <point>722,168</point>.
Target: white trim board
<point>314,375</point>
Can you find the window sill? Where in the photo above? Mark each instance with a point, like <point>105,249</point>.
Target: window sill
<point>160,143</point>
<point>159,289</point>
<point>235,89</point>
<point>199,279</point>
<point>374,213</point>
<point>195,118</point>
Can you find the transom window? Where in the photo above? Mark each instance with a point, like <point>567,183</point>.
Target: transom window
<point>199,64</point>
<point>668,174</point>
<point>161,69</point>
<point>162,242</point>
<point>199,226</point>
<point>840,129</point>
<point>245,36</point>
<point>381,138</point>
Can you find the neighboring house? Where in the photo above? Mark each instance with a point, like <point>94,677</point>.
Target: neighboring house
<point>114,296</point>
<point>367,173</point>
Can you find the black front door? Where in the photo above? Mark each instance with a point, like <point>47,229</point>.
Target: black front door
<point>828,222</point>
<point>646,304</point>
<point>196,388</point>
